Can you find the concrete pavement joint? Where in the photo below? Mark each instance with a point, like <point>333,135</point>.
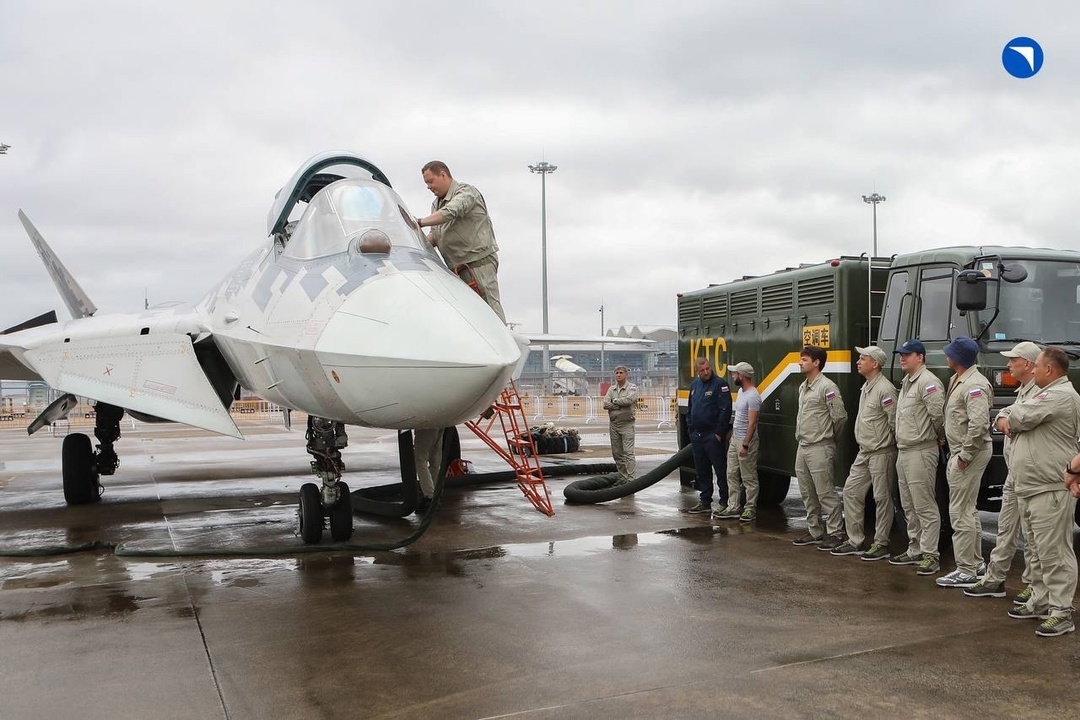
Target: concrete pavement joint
<point>521,713</point>
<point>867,651</point>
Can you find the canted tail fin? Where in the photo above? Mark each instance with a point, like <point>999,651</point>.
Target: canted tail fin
<point>77,301</point>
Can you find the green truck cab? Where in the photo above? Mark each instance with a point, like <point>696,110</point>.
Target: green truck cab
<point>998,295</point>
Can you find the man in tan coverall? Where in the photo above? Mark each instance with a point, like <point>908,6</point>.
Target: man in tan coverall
<point>920,424</point>
<point>967,428</point>
<point>820,421</point>
<point>875,464</point>
<point>462,232</point>
<point>1022,367</point>
<point>621,404</point>
<point>1044,428</point>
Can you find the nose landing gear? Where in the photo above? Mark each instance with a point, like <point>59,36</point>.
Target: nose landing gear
<point>325,439</point>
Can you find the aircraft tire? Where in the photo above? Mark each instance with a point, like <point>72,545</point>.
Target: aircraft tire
<point>80,476</point>
<point>310,514</point>
<point>341,517</point>
<point>772,489</point>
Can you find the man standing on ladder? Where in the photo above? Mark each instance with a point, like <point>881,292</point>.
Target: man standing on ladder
<point>462,231</point>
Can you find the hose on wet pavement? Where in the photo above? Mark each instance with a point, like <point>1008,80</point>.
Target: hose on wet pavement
<point>603,488</point>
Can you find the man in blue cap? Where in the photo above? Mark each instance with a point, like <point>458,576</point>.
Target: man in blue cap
<point>967,429</point>
<point>919,427</point>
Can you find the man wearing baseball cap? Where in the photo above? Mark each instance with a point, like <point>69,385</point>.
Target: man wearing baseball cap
<point>1022,359</point>
<point>919,426</point>
<point>967,409</point>
<point>1044,428</point>
<point>742,452</point>
<point>875,463</point>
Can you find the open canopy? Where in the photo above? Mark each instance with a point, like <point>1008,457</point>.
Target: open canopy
<point>314,175</point>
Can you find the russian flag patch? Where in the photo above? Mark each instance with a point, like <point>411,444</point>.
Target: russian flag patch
<point>931,389</point>
<point>830,395</point>
<point>886,402</point>
<point>977,392</point>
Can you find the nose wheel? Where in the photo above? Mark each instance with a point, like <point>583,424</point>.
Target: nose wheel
<point>313,510</point>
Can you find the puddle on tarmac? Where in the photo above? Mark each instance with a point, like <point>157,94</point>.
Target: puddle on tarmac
<point>582,546</point>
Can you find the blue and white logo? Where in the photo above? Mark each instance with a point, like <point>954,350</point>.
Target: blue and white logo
<point>1022,57</point>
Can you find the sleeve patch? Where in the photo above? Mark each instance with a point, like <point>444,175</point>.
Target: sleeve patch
<point>830,394</point>
<point>1042,396</point>
<point>931,389</point>
<point>886,402</point>
<point>977,392</point>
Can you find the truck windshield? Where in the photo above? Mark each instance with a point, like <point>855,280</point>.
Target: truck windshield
<point>1044,308</point>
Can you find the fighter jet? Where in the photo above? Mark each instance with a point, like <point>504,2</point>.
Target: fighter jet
<point>343,312</point>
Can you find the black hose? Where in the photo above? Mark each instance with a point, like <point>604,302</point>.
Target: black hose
<point>603,488</point>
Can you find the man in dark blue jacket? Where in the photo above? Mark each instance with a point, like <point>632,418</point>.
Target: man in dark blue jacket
<point>708,415</point>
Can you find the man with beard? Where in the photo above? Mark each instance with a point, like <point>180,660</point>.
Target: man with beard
<point>742,453</point>
<point>708,414</point>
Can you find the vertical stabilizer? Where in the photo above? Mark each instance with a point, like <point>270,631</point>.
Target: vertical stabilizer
<point>76,300</point>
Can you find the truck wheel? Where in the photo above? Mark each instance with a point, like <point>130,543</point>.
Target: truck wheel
<point>772,488</point>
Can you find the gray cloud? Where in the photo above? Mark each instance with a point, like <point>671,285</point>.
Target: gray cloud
<point>696,141</point>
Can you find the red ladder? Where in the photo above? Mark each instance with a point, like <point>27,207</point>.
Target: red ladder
<point>525,461</point>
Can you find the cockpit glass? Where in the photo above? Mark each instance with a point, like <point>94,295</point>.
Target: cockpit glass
<point>1043,308</point>
<point>347,209</point>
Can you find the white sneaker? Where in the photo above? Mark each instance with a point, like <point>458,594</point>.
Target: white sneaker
<point>957,579</point>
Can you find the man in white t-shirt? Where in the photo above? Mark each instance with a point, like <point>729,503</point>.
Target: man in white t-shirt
<point>743,450</point>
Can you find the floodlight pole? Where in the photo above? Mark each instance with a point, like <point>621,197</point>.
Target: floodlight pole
<point>543,168</point>
<point>873,200</point>
<point>601,342</point>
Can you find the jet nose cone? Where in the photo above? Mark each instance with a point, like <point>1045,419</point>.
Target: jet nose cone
<point>417,349</point>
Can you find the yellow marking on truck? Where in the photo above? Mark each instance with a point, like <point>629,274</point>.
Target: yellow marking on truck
<point>836,361</point>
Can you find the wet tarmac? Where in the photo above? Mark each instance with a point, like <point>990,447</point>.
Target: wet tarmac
<point>628,609</point>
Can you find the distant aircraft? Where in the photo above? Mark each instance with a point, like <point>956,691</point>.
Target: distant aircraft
<point>344,312</point>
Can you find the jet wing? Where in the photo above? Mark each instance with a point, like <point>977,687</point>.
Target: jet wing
<point>541,340</point>
<point>156,374</point>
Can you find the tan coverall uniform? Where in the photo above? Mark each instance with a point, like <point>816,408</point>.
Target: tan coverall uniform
<point>875,463</point>
<point>1001,556</point>
<point>1045,427</point>
<point>920,420</point>
<point>967,428</point>
<point>467,240</point>
<point>621,404</point>
<point>820,421</point>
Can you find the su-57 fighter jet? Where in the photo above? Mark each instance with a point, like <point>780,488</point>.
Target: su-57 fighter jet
<point>344,312</point>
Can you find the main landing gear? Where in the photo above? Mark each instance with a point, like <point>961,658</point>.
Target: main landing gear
<point>325,439</point>
<point>82,466</point>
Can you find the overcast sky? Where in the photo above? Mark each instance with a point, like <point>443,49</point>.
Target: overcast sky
<point>695,141</point>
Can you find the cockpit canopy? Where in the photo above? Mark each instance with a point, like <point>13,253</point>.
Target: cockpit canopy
<point>348,212</point>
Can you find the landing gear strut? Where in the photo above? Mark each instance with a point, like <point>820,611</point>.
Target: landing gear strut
<point>325,439</point>
<point>82,466</point>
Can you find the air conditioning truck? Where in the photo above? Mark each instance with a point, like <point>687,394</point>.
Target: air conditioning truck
<point>997,295</point>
